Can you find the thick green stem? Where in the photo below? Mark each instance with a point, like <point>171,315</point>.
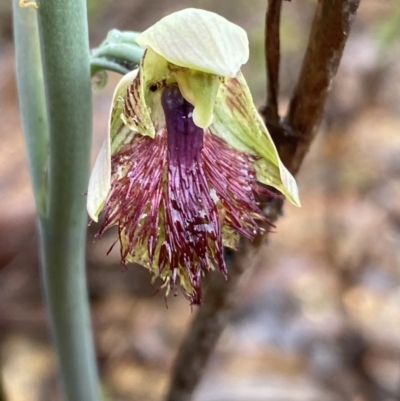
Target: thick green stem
<point>31,98</point>
<point>66,71</point>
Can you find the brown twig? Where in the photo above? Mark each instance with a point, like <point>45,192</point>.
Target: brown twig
<point>272,56</point>
<point>329,32</point>
<point>328,36</point>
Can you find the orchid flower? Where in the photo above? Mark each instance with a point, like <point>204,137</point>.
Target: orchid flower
<point>187,153</point>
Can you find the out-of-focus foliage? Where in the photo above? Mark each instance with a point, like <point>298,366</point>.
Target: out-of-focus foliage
<point>389,30</point>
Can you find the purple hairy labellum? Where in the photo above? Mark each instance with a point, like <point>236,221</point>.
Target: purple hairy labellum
<point>187,154</point>
<point>178,193</point>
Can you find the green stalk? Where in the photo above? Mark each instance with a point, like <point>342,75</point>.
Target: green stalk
<point>118,53</point>
<point>102,64</point>
<point>66,70</point>
<point>121,51</point>
<point>31,98</point>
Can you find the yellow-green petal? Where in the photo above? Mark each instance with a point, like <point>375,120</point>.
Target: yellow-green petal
<point>99,182</point>
<point>236,120</point>
<point>100,179</point>
<point>200,89</point>
<point>200,40</point>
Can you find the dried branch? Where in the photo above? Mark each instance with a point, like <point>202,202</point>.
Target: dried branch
<point>329,32</point>
<point>272,56</point>
<point>328,36</point>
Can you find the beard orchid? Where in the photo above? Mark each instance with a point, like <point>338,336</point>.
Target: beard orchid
<point>187,153</point>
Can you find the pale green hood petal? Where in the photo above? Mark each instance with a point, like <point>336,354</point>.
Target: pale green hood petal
<point>197,87</point>
<point>100,179</point>
<point>236,120</point>
<point>200,40</point>
<point>200,89</point>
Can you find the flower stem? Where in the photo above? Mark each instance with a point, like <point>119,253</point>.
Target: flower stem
<point>122,51</point>
<point>31,98</point>
<point>103,64</point>
<point>118,53</point>
<point>66,94</point>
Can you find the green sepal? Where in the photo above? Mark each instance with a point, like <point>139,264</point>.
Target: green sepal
<point>237,121</point>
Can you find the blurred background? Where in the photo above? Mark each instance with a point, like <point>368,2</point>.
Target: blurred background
<point>319,317</point>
